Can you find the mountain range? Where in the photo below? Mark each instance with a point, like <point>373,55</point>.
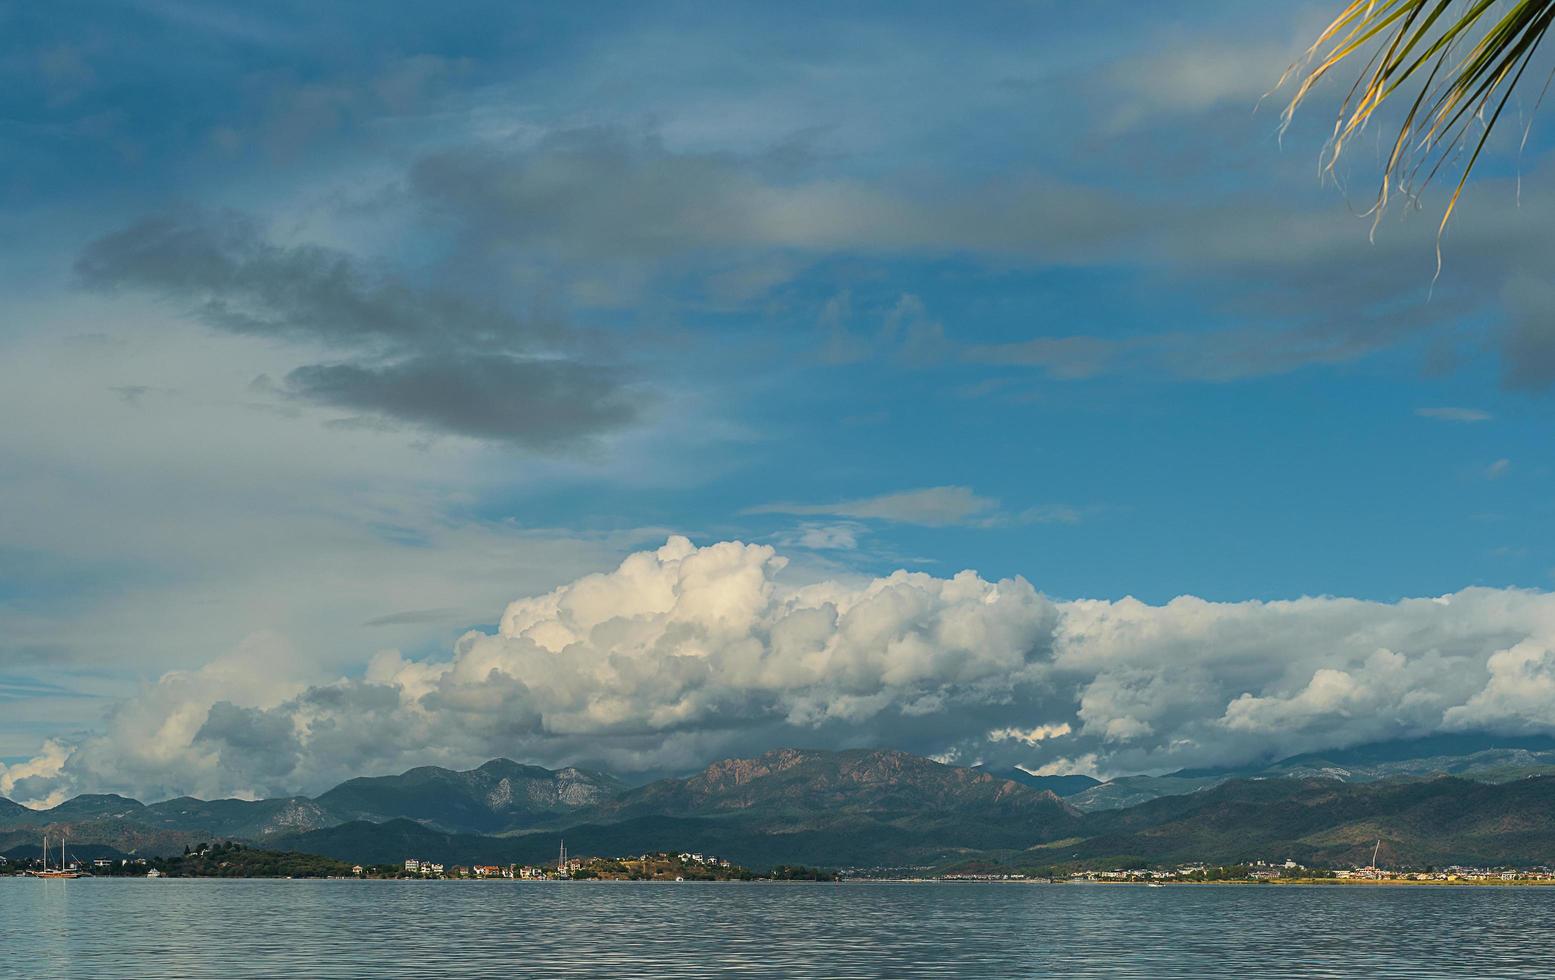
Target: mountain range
<point>1470,799</point>
<point>1477,756</point>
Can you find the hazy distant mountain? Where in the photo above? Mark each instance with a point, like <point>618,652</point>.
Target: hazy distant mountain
<point>250,820</point>
<point>1443,820</point>
<point>1478,756</point>
<point>809,806</point>
<point>92,837</point>
<point>880,807</point>
<point>30,849</point>
<point>213,818</point>
<point>756,813</point>
<point>94,806</point>
<point>89,806</point>
<point>790,785</point>
<point>1485,758</point>
<point>1064,786</point>
<point>1126,791</point>
<point>13,813</point>
<point>845,842</point>
<point>393,841</point>
<point>500,795</point>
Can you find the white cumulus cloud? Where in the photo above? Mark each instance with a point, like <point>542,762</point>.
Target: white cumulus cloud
<point>685,653</point>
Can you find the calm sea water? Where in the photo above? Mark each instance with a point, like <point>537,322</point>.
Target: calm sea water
<point>108,928</point>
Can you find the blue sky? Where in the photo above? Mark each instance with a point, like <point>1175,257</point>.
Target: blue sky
<point>336,329</point>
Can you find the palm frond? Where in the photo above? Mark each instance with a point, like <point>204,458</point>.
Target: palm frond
<point>1457,62</point>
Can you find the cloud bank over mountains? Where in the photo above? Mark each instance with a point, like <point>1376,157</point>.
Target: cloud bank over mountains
<point>684,654</point>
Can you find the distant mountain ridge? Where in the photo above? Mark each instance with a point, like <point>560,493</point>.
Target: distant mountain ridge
<point>1471,797</point>
<point>497,796</point>
<point>878,802</point>
<point>500,795</point>
<point>789,805</point>
<point>1325,821</point>
<point>1479,756</point>
<point>1062,786</point>
<point>789,783</point>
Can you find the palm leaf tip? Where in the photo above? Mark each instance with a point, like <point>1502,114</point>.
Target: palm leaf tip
<point>1455,62</point>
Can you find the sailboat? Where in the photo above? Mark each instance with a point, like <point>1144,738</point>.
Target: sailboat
<point>60,872</point>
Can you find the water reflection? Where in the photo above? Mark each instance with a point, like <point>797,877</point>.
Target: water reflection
<point>118,928</point>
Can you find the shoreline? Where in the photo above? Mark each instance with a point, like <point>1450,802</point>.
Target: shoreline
<point>1294,882</point>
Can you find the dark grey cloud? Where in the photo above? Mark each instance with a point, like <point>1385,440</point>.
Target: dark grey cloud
<point>542,404</point>
<point>426,357</point>
<point>1528,339</point>
<point>225,270</point>
<point>258,744</point>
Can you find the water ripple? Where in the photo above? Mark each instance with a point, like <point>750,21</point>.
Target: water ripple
<point>153,930</point>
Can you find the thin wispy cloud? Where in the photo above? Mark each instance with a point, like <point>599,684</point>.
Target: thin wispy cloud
<point>414,616</point>
<point>947,506</point>
<point>929,507</point>
<point>1448,413</point>
<point>827,536</point>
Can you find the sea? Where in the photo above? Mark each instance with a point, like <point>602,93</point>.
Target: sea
<point>109,928</point>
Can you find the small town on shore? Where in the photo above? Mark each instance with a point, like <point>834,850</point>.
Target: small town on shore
<point>658,866</point>
<point>230,859</point>
<point>1270,872</point>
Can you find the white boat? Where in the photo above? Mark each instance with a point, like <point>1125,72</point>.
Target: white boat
<point>153,873</point>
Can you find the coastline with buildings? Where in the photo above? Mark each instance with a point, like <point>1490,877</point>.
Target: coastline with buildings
<point>1286,872</point>
<point>654,866</point>
<point>234,860</point>
<point>231,859</point>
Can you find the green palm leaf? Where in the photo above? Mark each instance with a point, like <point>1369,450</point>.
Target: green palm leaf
<point>1457,63</point>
